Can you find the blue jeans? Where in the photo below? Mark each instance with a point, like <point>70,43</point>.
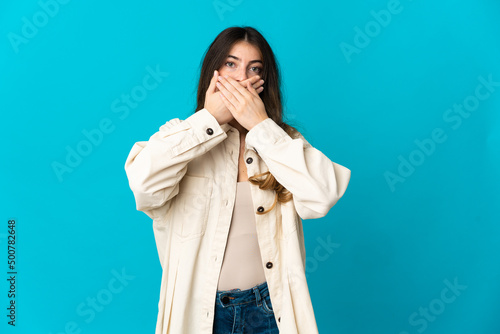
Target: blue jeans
<point>244,311</point>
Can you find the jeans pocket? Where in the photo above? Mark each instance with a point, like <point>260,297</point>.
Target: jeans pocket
<point>267,306</point>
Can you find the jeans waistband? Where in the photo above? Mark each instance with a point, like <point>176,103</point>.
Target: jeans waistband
<point>237,296</point>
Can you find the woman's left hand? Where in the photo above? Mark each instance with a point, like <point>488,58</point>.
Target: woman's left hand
<point>244,104</point>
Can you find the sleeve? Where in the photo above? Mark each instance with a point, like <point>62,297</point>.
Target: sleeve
<point>316,182</point>
<point>155,168</point>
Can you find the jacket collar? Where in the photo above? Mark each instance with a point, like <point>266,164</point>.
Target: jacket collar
<point>227,127</point>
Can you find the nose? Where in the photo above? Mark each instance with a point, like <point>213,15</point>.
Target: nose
<point>242,74</point>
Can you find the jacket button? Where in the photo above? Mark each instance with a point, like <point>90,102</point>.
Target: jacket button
<point>225,299</point>
<point>269,265</point>
<point>249,160</point>
<point>210,131</point>
<point>260,209</point>
<point>279,319</point>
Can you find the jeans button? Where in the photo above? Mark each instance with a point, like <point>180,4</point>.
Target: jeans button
<point>225,299</point>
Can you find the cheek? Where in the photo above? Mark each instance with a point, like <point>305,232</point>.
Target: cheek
<point>223,71</point>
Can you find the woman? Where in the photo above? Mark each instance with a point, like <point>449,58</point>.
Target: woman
<point>227,189</point>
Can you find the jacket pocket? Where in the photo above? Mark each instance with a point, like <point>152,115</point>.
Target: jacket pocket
<point>192,206</point>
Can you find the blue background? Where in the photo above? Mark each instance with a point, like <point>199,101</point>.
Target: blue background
<point>395,246</point>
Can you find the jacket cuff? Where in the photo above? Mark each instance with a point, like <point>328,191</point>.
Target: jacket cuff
<point>264,135</point>
<point>203,127</point>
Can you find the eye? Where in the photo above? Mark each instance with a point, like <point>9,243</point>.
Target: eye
<point>230,62</point>
<point>257,69</point>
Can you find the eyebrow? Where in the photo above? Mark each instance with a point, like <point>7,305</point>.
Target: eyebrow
<point>250,62</point>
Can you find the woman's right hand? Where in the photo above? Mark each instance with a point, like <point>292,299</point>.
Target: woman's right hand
<point>214,103</point>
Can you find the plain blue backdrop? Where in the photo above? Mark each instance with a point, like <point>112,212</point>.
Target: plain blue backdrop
<point>406,94</point>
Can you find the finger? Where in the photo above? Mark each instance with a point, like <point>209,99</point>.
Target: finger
<point>252,80</point>
<point>241,90</point>
<point>235,88</point>
<point>258,84</point>
<point>228,104</point>
<point>228,94</point>
<point>252,90</point>
<point>255,83</point>
<point>213,81</point>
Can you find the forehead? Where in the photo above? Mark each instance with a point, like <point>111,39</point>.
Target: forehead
<point>245,51</point>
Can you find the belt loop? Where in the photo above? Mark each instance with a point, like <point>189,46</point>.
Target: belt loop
<point>257,295</point>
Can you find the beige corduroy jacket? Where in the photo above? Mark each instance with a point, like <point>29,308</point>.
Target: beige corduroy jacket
<point>184,178</point>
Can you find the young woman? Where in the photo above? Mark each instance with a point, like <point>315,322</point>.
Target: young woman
<point>227,189</point>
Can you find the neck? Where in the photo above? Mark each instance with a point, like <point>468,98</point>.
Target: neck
<point>239,127</point>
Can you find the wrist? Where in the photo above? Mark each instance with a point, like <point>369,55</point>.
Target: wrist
<point>261,120</point>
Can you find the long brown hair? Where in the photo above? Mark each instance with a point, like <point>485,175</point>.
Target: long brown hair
<point>215,56</point>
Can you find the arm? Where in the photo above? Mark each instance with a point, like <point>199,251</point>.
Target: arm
<point>155,168</point>
<point>315,181</point>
